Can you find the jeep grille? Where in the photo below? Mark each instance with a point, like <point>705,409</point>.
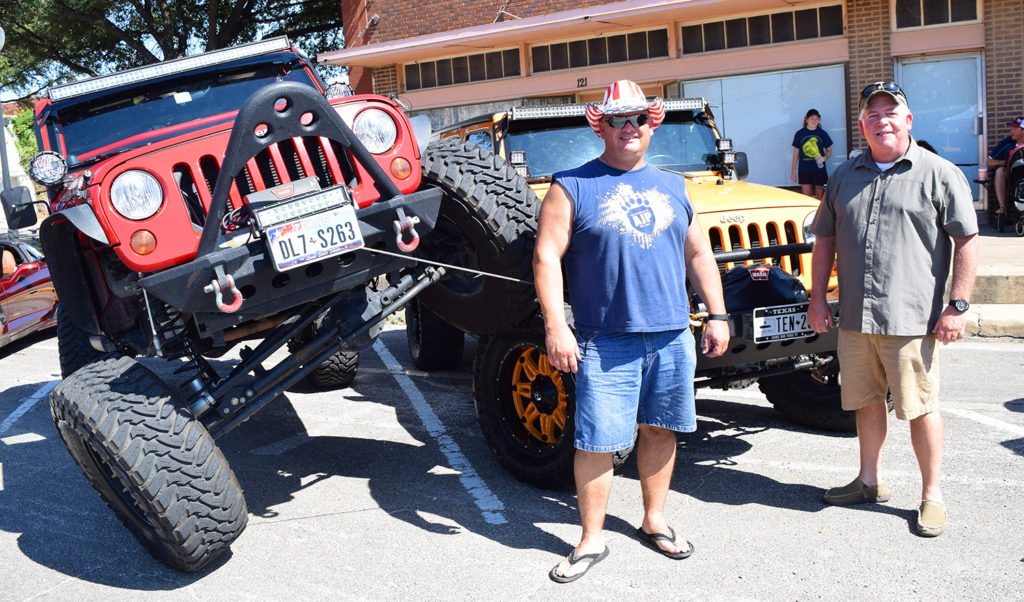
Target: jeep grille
<point>755,236</point>
<point>279,163</point>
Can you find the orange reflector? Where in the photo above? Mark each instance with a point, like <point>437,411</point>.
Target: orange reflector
<point>143,242</point>
<point>400,168</point>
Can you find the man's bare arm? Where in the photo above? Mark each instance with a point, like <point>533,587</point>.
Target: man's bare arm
<point>554,229</point>
<point>951,324</point>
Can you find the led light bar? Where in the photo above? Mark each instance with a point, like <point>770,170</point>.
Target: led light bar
<point>171,67</point>
<point>302,206</point>
<point>680,104</point>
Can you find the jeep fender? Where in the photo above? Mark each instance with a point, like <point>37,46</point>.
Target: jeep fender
<point>58,235</point>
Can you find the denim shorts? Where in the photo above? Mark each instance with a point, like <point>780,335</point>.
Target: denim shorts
<point>626,378</point>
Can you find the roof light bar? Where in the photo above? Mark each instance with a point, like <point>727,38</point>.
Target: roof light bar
<point>171,67</point>
<point>679,104</point>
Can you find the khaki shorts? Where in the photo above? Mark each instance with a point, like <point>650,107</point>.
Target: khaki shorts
<point>870,364</point>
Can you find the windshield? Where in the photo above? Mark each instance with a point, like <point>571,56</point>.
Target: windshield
<point>685,141</point>
<point>129,118</point>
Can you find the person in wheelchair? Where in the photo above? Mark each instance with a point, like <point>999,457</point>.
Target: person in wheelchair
<point>997,160</point>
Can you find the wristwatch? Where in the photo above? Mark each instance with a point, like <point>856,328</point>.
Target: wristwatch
<point>960,305</point>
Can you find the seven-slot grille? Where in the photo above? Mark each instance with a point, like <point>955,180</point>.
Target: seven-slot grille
<point>754,236</point>
<point>280,163</point>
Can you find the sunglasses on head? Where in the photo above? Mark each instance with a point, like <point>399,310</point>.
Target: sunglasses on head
<point>620,121</point>
<point>889,87</point>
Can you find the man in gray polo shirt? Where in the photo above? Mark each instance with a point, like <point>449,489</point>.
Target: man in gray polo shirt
<point>894,217</point>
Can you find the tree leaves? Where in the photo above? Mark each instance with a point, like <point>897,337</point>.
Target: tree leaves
<point>55,41</point>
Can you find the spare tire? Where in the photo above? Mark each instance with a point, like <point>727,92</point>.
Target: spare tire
<point>488,223</point>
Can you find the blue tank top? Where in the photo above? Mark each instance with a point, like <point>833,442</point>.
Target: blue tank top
<point>625,264</point>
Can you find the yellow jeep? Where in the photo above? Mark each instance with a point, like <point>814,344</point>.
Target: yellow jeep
<point>762,241</point>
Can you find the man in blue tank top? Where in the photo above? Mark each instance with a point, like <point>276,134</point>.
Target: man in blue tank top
<point>628,238</point>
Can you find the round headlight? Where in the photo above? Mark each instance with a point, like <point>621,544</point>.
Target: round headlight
<point>808,222</point>
<point>47,168</point>
<point>136,195</point>
<point>376,130</point>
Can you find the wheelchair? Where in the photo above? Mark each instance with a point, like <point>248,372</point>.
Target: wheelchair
<point>1014,216</point>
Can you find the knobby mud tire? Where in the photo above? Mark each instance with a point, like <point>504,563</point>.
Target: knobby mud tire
<point>809,402</point>
<point>336,372</point>
<point>151,461</point>
<point>433,343</point>
<point>526,409</point>
<point>73,346</point>
<point>487,222</point>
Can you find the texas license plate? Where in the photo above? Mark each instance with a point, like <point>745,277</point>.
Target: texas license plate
<point>314,237</point>
<point>781,322</point>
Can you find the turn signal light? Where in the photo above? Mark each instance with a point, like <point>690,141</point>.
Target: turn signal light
<point>400,168</point>
<point>143,242</point>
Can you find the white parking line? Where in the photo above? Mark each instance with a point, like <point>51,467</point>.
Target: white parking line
<point>983,419</point>
<point>489,504</point>
<point>26,406</point>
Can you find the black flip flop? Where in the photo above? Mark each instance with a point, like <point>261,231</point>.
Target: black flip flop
<point>652,540</point>
<point>573,559</point>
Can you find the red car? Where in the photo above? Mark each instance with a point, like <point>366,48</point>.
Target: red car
<point>28,301</point>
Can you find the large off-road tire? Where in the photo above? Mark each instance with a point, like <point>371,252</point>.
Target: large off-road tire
<point>526,409</point>
<point>487,222</point>
<point>151,461</point>
<point>73,345</point>
<point>806,400</point>
<point>433,343</point>
<point>335,372</point>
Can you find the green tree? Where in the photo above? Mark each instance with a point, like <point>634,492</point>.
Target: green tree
<point>54,41</point>
<point>25,136</point>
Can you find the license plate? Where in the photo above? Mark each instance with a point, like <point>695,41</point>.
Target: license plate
<point>314,237</point>
<point>781,323</point>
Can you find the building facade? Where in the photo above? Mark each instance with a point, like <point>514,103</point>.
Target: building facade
<point>760,63</point>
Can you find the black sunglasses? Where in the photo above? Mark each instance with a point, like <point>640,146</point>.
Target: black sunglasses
<point>888,87</point>
<point>620,121</point>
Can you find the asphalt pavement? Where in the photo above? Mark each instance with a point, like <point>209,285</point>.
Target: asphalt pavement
<point>387,491</point>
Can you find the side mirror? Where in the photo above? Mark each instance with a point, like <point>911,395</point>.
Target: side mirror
<point>19,207</point>
<point>25,269</point>
<point>741,168</point>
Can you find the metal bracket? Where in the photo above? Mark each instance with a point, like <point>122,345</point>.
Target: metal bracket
<point>218,285</point>
<point>402,224</point>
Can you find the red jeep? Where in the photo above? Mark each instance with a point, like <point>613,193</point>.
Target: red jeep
<point>221,198</point>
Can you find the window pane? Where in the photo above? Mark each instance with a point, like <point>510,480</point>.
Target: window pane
<point>657,42</point>
<point>963,10</point>
<point>616,49</point>
<point>637,43</point>
<point>736,33</point>
<point>541,59</point>
<point>693,39</point>
<point>427,79</point>
<point>560,56</point>
<point>460,70</point>
<point>477,70</point>
<point>936,11</point>
<point>510,59</point>
<point>444,72</point>
<point>908,13</point>
<point>760,30</point>
<point>578,53</point>
<point>597,51</point>
<point>714,36</point>
<point>782,27</point>
<point>831,20</point>
<point>412,77</point>
<point>493,65</point>
<point>806,23</point>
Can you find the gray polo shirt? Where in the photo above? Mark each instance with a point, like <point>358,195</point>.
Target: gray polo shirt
<point>893,244</point>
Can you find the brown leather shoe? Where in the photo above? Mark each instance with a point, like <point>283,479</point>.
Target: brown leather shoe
<point>857,493</point>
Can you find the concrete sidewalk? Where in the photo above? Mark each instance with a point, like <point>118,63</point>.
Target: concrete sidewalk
<point>997,303</point>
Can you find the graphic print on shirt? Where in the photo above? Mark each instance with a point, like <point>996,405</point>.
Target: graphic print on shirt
<point>641,215</point>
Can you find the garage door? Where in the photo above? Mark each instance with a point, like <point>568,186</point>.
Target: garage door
<point>761,113</point>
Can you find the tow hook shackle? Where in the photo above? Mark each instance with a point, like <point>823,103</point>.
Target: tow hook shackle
<point>403,224</point>
<point>221,283</point>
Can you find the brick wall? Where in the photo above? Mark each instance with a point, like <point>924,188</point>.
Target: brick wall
<point>868,30</point>
<point>385,80</point>
<point>1004,65</point>
<point>400,19</point>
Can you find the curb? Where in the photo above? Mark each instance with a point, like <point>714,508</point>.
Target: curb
<point>1004,320</point>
